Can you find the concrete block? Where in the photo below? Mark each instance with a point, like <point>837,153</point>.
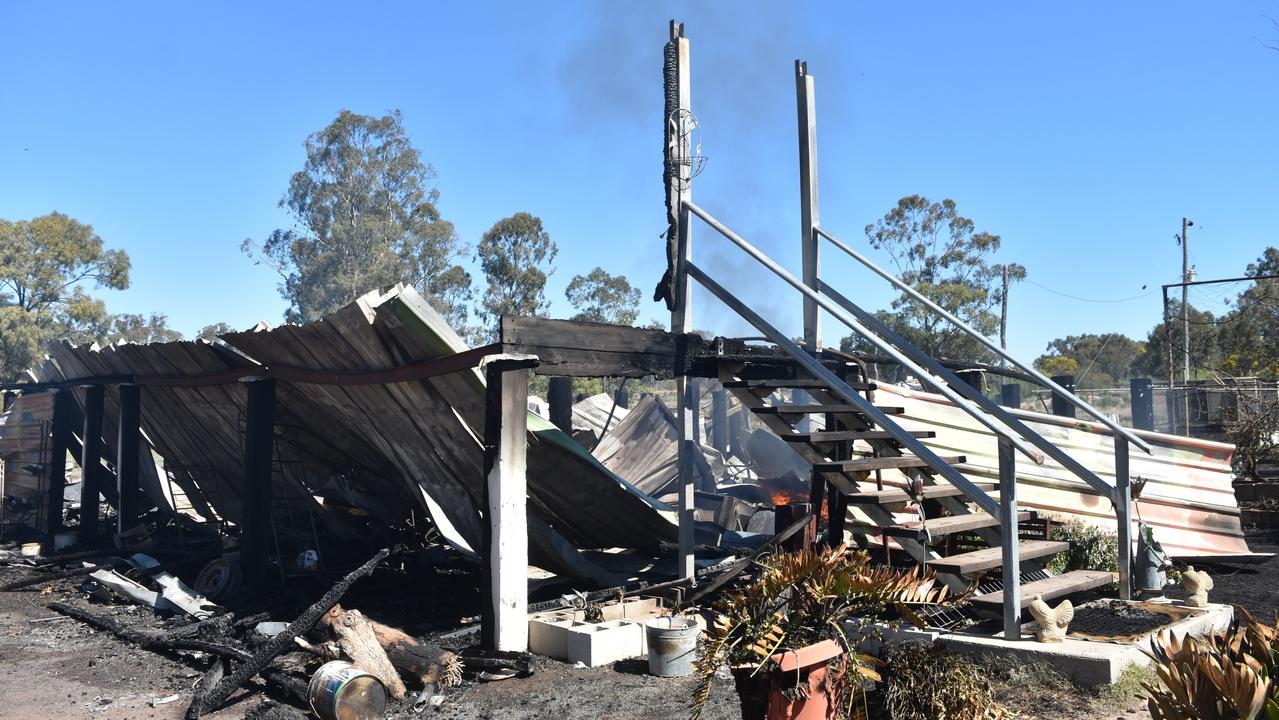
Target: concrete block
<point>548,635</point>
<point>595,644</point>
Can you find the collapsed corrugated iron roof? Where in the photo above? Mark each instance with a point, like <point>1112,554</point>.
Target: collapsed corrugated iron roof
<point>394,449</point>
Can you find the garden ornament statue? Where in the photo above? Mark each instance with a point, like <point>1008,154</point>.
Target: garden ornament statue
<point>1052,621</point>
<point>1197,584</point>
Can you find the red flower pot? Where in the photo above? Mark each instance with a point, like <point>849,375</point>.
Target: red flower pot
<point>801,688</point>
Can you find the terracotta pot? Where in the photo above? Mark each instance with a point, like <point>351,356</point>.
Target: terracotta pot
<point>805,668</point>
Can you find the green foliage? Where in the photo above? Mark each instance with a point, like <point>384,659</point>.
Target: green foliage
<point>516,255</point>
<point>942,255</point>
<point>1091,548</point>
<point>45,265</point>
<point>141,329</point>
<point>1130,686</point>
<point>211,332</point>
<point>1224,675</point>
<point>364,207</point>
<point>1095,360</point>
<point>601,297</point>
<point>801,598</point>
<point>923,682</point>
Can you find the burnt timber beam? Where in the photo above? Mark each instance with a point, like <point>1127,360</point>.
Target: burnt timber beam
<point>56,479</point>
<point>259,440</point>
<point>127,457</point>
<point>572,348</point>
<point>559,393</point>
<point>504,619</point>
<point>91,470</point>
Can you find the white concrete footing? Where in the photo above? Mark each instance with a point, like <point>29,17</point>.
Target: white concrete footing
<point>1087,663</point>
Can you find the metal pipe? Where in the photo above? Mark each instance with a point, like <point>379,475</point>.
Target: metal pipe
<point>1039,377</point>
<point>844,392</point>
<point>1054,452</point>
<point>998,428</point>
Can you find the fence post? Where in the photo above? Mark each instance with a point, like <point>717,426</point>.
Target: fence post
<point>1010,395</point>
<point>1061,406</point>
<point>1009,540</point>
<point>1143,403</point>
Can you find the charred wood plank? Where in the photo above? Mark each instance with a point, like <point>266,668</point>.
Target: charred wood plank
<point>145,640</point>
<point>278,644</point>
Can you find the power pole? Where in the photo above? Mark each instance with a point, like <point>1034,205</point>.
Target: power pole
<point>1003,313</point>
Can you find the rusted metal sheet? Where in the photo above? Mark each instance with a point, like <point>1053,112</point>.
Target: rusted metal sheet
<point>1188,496</point>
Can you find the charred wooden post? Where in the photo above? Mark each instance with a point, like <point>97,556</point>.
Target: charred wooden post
<point>622,397</point>
<point>560,390</point>
<point>128,456</point>
<point>91,470</point>
<point>59,442</point>
<point>1009,540</point>
<point>259,440</point>
<point>1010,395</point>
<point>810,242</point>
<point>719,420</point>
<point>1142,398</point>
<point>504,620</point>
<point>1123,516</point>
<point>1061,405</point>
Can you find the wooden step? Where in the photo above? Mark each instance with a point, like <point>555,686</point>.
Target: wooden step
<point>890,495</point>
<point>949,525</point>
<point>866,464</point>
<point>1054,587</point>
<point>846,435</point>
<point>991,558</point>
<point>783,384</point>
<point>812,409</point>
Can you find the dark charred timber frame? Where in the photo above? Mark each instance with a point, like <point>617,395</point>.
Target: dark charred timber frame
<point>91,470</point>
<point>56,480</point>
<point>504,619</point>
<point>259,442</point>
<point>127,457</point>
<point>560,400</point>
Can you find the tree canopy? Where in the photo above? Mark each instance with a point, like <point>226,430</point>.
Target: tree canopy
<point>601,297</point>
<point>1095,360</point>
<point>517,256</point>
<point>47,266</point>
<point>364,207</point>
<point>943,256</point>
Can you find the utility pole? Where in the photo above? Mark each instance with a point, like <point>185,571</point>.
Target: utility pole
<point>1185,320</point>
<point>1003,312</point>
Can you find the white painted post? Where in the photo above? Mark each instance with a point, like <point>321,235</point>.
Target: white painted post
<point>682,316</point>
<point>505,617</point>
<point>1009,540</point>
<point>1123,516</point>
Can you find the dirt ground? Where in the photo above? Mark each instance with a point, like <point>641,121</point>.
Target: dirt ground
<point>58,668</point>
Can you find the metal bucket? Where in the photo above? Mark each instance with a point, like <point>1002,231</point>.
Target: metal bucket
<point>340,691</point>
<point>672,642</point>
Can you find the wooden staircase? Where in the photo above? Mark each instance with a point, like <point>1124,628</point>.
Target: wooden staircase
<point>849,457</point>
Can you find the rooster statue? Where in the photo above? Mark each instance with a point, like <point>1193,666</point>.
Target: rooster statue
<point>1197,584</point>
<point>1052,621</point>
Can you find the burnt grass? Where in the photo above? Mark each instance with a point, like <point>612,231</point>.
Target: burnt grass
<point>60,668</point>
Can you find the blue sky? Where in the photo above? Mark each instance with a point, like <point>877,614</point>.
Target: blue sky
<point>1079,132</point>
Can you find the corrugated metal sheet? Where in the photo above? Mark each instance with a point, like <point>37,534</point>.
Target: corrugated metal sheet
<point>1188,499</point>
<point>414,446</point>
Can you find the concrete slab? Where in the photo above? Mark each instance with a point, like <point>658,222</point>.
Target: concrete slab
<point>1087,663</point>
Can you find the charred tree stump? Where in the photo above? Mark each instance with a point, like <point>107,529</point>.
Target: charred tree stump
<point>358,640</point>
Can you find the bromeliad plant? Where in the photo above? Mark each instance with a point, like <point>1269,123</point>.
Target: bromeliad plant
<point>1225,675</point>
<point>801,598</point>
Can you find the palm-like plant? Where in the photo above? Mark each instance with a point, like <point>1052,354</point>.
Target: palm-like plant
<point>1225,675</point>
<point>800,598</point>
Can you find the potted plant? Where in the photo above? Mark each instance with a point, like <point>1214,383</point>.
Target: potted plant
<point>782,633</point>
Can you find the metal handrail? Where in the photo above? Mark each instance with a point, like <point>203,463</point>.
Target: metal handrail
<point>904,287</point>
<point>1062,457</point>
<point>842,390</point>
<point>996,427</point>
